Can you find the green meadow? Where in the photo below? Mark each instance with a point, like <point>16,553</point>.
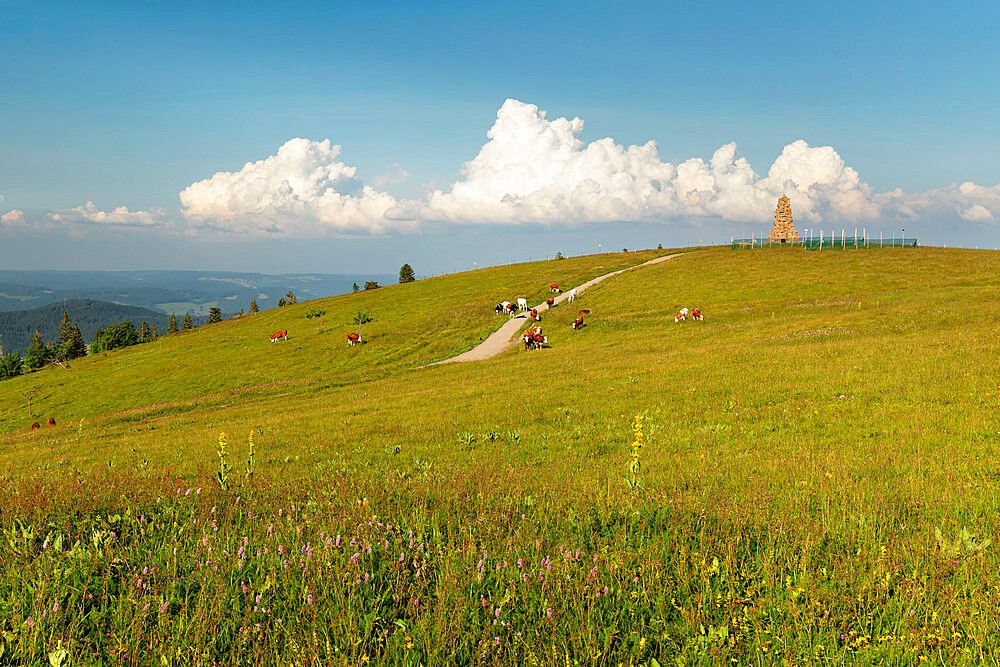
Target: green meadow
<point>816,477</point>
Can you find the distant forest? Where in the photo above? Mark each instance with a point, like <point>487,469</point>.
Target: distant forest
<point>16,326</point>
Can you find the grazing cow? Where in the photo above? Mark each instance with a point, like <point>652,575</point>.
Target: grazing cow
<point>583,311</point>
<point>353,339</point>
<point>498,309</point>
<point>535,317</point>
<point>50,422</point>
<point>283,334</point>
<point>34,425</point>
<point>550,302</point>
<point>682,315</point>
<point>572,295</point>
<point>533,338</point>
<point>522,303</point>
<point>511,309</point>
<point>578,322</point>
<point>697,316</point>
<point>553,287</point>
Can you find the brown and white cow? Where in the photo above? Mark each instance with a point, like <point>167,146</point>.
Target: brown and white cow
<point>279,335</point>
<point>35,425</point>
<point>353,339</point>
<point>50,422</point>
<point>578,322</point>
<point>533,338</point>
<point>681,315</point>
<point>535,317</point>
<point>550,302</point>
<point>697,316</point>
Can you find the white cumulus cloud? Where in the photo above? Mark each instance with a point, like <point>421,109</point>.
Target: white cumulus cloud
<point>302,190</point>
<point>535,170</point>
<point>12,218</point>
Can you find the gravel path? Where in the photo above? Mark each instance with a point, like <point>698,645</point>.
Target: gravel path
<point>504,337</point>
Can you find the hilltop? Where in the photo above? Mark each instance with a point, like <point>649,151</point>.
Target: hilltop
<point>808,459</point>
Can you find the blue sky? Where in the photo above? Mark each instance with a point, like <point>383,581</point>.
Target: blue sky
<point>129,105</point>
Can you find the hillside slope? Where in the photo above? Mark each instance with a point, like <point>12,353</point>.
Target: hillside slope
<point>413,324</point>
<point>809,475</point>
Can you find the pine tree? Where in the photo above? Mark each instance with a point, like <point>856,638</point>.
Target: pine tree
<point>74,347</point>
<point>188,322</point>
<point>172,326</point>
<point>406,274</point>
<point>281,302</point>
<point>371,284</point>
<point>65,330</point>
<point>253,306</point>
<point>214,315</point>
<point>290,298</point>
<point>355,288</point>
<point>11,366</point>
<point>37,355</point>
<point>143,332</point>
<point>70,343</point>
<point>153,333</point>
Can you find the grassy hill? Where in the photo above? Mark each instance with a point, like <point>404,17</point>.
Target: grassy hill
<point>817,483</point>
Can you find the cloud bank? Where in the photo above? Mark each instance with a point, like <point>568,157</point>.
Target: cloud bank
<point>535,171</point>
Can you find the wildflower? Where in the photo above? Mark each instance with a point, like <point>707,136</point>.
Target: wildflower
<point>30,622</point>
<point>55,607</point>
<point>548,612</point>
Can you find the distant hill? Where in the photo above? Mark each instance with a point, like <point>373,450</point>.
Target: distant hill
<point>17,326</point>
<point>172,291</point>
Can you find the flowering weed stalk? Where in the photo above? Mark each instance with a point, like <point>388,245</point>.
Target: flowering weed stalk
<point>222,476</point>
<point>634,466</point>
<point>251,462</point>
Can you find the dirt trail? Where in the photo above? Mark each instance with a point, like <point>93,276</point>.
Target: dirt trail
<point>504,337</point>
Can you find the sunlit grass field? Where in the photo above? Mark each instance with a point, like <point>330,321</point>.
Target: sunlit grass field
<point>814,453</point>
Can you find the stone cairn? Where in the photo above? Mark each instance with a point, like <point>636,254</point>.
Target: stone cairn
<point>783,230</point>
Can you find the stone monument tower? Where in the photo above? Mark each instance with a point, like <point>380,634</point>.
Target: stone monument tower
<point>783,230</point>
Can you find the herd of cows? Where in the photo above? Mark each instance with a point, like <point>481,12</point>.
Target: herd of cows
<point>533,337</point>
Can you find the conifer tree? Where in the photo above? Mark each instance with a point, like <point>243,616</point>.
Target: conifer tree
<point>355,288</point>
<point>65,330</point>
<point>253,306</point>
<point>172,326</point>
<point>188,322</point>
<point>74,347</point>
<point>406,274</point>
<point>37,355</point>
<point>11,366</point>
<point>281,302</point>
<point>153,333</point>
<point>214,315</point>
<point>290,298</point>
<point>143,332</point>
